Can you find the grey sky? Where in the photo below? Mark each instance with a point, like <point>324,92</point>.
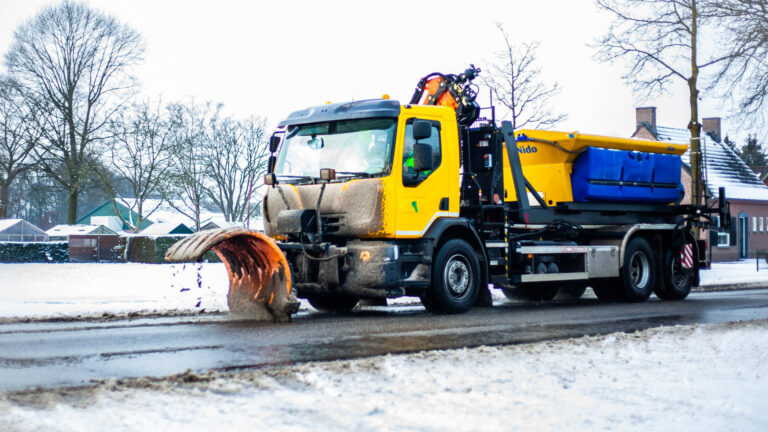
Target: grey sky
<point>270,58</point>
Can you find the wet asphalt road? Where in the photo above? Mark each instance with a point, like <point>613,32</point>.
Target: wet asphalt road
<point>55,354</point>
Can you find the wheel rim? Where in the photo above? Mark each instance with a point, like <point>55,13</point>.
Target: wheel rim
<point>639,269</point>
<point>679,275</point>
<point>457,275</point>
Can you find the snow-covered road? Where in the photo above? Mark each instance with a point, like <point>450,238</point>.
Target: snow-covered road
<point>690,378</point>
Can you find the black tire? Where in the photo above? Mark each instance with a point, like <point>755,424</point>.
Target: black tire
<point>337,303</point>
<point>638,274</point>
<point>455,279</point>
<point>676,280</point>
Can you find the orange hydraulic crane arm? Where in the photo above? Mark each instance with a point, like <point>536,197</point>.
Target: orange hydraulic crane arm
<point>455,91</point>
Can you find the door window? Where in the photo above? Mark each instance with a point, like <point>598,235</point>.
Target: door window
<point>410,176</point>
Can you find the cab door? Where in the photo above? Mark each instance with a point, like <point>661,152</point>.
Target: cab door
<point>424,197</point>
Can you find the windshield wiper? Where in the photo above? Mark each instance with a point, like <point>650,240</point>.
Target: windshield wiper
<point>355,173</point>
<point>298,177</point>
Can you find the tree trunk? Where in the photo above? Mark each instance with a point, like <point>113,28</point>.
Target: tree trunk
<point>4,192</point>
<point>72,211</point>
<point>694,126</point>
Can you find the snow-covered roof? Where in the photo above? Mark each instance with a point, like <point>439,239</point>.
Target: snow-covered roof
<point>722,166</point>
<point>19,226</point>
<point>159,211</point>
<point>67,230</point>
<point>7,223</point>
<point>160,228</point>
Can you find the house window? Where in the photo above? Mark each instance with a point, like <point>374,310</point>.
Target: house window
<point>762,220</point>
<point>754,223</point>
<point>717,221</point>
<point>723,240</point>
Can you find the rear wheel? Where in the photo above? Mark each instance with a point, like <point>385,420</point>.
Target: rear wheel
<point>638,275</point>
<point>332,302</point>
<point>677,280</point>
<point>455,279</point>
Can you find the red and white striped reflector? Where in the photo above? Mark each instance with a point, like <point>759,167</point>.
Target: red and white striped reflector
<point>686,256</point>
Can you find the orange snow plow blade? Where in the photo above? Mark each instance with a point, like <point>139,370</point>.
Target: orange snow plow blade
<point>259,276</point>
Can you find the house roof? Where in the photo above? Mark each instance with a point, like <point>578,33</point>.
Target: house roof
<point>19,226</point>
<point>160,228</point>
<point>160,211</point>
<point>7,223</point>
<point>106,209</point>
<point>67,230</point>
<point>722,166</point>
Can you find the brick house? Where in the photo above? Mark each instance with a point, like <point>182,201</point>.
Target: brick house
<point>722,167</point>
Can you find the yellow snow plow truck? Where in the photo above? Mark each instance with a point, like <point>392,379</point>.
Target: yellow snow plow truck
<point>373,199</point>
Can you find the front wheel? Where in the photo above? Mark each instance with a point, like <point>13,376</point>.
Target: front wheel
<point>455,279</point>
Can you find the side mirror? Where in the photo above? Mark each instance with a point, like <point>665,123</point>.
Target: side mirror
<point>274,143</point>
<point>422,157</point>
<point>270,179</point>
<point>271,162</point>
<point>422,129</point>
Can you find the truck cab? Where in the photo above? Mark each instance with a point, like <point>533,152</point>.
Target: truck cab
<point>370,185</point>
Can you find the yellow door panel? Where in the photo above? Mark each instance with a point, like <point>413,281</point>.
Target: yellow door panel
<point>419,205</point>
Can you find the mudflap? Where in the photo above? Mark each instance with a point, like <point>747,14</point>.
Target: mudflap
<point>259,275</point>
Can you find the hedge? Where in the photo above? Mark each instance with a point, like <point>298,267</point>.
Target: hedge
<point>153,249</point>
<point>33,252</point>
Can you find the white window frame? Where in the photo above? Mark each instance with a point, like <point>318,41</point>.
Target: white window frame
<point>754,223</point>
<point>762,222</point>
<point>723,239</point>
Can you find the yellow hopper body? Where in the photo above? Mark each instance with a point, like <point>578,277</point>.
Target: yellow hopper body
<point>547,158</point>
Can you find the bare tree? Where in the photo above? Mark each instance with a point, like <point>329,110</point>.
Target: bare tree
<point>744,30</point>
<point>188,163</point>
<point>73,63</point>
<point>16,140</point>
<point>514,82</point>
<point>236,158</point>
<point>139,151</point>
<point>660,41</point>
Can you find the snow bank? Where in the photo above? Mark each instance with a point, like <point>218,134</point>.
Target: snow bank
<point>708,377</point>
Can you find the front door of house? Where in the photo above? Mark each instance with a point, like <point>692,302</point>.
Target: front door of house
<point>743,241</point>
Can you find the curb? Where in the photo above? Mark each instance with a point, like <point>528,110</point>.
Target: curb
<point>731,286</point>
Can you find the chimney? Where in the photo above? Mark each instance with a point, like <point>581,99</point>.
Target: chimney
<point>712,124</point>
<point>646,115</point>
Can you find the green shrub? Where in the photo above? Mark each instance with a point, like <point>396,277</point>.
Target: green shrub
<point>28,252</point>
<point>153,249</point>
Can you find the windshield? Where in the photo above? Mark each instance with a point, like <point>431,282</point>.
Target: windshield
<point>361,147</point>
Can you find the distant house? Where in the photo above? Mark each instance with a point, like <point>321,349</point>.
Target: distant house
<point>746,193</point>
<point>19,230</point>
<point>154,210</point>
<point>166,228</point>
<point>62,232</point>
<point>107,210</point>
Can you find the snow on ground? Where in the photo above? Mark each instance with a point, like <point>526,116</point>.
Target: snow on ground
<point>66,290</point>
<point>55,290</point>
<point>700,377</point>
